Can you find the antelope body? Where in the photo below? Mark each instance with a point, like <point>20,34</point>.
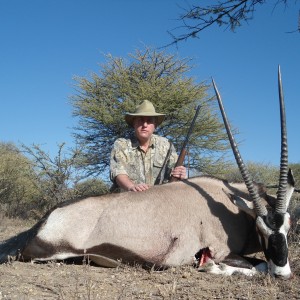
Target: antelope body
<point>168,225</point>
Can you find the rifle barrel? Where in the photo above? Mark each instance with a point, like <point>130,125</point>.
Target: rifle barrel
<point>183,148</point>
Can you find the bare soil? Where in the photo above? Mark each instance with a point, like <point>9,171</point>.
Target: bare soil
<point>56,280</point>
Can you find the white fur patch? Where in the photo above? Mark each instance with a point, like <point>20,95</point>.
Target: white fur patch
<point>226,270</point>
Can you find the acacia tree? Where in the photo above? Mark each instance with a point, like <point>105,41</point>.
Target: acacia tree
<point>101,101</point>
<point>229,13</point>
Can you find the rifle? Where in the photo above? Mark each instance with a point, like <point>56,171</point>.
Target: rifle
<point>183,148</point>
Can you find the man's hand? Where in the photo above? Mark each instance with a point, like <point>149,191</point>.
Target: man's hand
<point>138,187</point>
<point>126,184</point>
<point>179,172</point>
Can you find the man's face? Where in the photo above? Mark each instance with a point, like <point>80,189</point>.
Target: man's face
<point>144,127</point>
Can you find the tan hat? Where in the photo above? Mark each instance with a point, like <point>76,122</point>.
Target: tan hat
<point>145,109</point>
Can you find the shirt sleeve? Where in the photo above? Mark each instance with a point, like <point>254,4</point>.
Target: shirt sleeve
<point>118,159</point>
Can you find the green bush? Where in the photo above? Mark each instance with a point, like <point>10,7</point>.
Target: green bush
<point>17,188</point>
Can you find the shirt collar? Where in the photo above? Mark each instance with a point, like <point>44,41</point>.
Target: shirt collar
<point>135,143</point>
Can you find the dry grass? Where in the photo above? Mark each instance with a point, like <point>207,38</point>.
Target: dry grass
<point>61,281</point>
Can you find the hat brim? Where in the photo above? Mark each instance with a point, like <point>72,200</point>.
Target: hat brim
<point>129,118</point>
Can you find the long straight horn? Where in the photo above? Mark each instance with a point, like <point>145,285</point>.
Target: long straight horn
<point>259,207</point>
<point>283,177</point>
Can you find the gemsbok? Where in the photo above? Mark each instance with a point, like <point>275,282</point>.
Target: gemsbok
<point>202,220</point>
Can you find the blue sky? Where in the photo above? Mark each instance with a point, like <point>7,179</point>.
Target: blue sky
<point>44,44</point>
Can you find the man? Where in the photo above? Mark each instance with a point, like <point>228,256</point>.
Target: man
<point>149,159</point>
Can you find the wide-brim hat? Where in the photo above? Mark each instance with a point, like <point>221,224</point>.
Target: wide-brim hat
<point>145,109</point>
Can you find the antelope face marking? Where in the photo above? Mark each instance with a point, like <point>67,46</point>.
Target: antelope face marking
<point>273,234</point>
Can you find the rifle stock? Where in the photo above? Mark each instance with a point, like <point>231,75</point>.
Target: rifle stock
<point>183,150</point>
<point>181,157</point>
<point>179,162</point>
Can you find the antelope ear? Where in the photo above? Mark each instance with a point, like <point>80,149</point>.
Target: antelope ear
<point>290,188</point>
<point>242,204</point>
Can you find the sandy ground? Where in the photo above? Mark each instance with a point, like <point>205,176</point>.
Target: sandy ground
<point>55,280</point>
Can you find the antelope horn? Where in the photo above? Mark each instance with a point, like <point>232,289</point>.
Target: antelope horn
<point>259,207</point>
<point>283,177</point>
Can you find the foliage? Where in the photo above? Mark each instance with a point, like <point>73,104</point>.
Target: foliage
<point>266,174</point>
<point>17,189</point>
<point>102,100</point>
<point>229,13</point>
<point>260,173</point>
<point>58,179</point>
<point>52,175</point>
<point>32,184</point>
<point>90,187</point>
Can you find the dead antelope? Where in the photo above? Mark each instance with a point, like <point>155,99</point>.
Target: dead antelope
<point>203,218</point>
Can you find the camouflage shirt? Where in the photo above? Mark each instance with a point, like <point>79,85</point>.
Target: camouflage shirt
<point>142,167</point>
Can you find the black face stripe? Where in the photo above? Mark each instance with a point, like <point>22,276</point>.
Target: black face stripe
<point>275,221</point>
<point>277,249</point>
<point>278,220</point>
